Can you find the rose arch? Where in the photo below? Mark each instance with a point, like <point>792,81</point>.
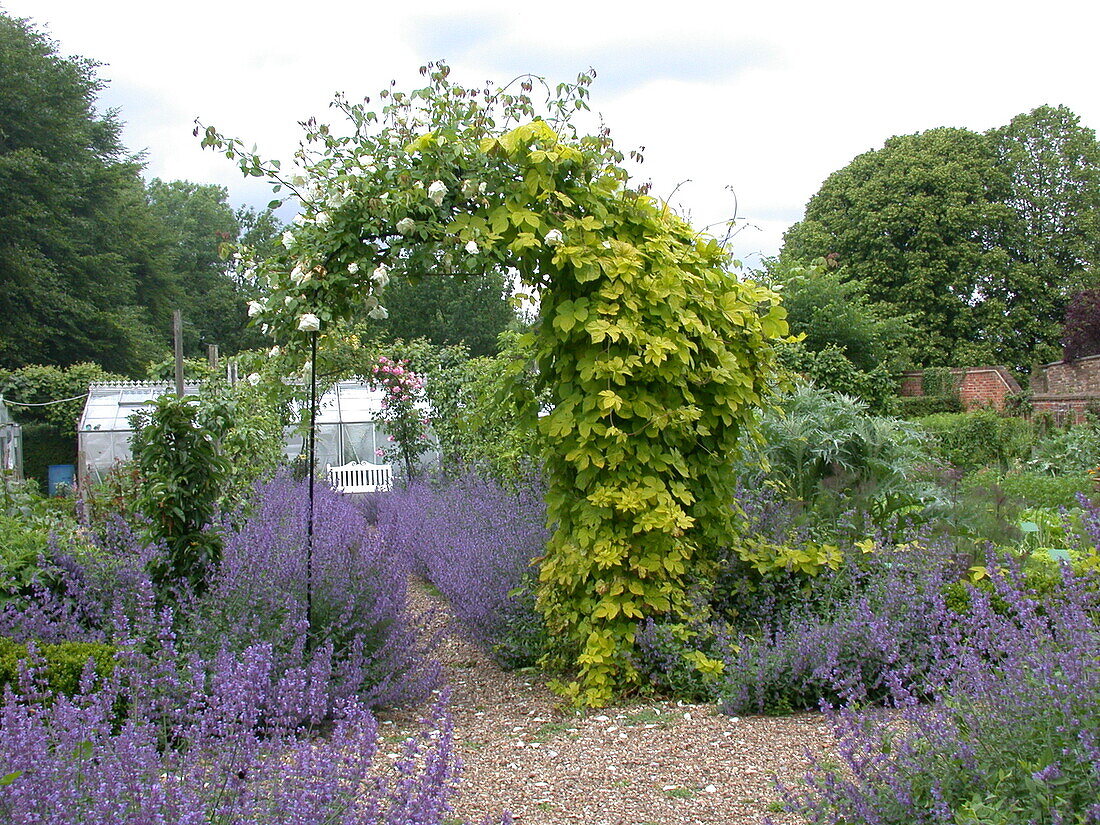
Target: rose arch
<point>654,355</point>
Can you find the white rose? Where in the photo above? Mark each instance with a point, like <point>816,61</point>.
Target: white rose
<point>405,226</point>
<point>253,378</point>
<point>274,352</point>
<point>288,239</point>
<point>309,323</point>
<point>288,300</point>
<point>436,191</point>
<point>553,238</point>
<point>300,275</point>
<point>471,247</point>
<point>323,219</point>
<point>379,313</point>
<point>468,188</point>
<point>481,188</point>
<point>254,308</point>
<point>353,268</point>
<point>381,276</point>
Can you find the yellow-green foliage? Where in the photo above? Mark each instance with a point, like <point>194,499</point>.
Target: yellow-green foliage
<point>653,355</point>
<point>655,359</point>
<point>808,558</point>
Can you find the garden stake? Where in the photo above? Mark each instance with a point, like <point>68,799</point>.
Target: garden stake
<point>309,523</point>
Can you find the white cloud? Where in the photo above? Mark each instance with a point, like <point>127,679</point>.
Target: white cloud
<point>766,98</point>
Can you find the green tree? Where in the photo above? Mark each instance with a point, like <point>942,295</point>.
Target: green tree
<point>472,310</point>
<point>199,224</point>
<point>916,223</point>
<point>80,256</point>
<point>1053,165</point>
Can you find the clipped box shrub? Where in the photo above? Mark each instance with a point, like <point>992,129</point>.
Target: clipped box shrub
<point>62,664</point>
<point>920,406</point>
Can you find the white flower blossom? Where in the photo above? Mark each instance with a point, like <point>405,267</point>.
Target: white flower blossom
<point>405,226</point>
<point>323,219</point>
<point>353,268</point>
<point>254,308</point>
<point>385,196</point>
<point>301,220</point>
<point>288,300</point>
<point>309,323</point>
<point>265,329</point>
<point>288,239</point>
<point>379,313</point>
<point>299,275</point>
<point>468,188</point>
<point>471,247</point>
<point>274,352</point>
<point>481,188</point>
<point>436,191</point>
<point>298,181</point>
<point>553,238</point>
<point>253,378</point>
<point>381,276</point>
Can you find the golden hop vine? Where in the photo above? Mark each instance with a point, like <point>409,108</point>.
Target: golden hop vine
<point>655,358</point>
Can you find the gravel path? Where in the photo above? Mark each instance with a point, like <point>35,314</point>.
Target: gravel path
<point>646,763</point>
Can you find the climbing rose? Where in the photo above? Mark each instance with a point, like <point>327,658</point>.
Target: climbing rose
<point>309,323</point>
<point>405,226</point>
<point>254,308</point>
<point>288,239</point>
<point>436,191</point>
<point>379,313</point>
<point>381,276</point>
<point>471,247</point>
<point>353,268</point>
<point>553,238</point>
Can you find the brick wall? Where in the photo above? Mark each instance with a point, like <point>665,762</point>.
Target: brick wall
<point>1079,377</point>
<point>978,386</point>
<point>1067,389</point>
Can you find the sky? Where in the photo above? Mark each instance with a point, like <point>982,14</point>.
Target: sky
<point>743,108</point>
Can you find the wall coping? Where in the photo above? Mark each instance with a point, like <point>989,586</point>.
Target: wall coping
<point>1061,362</point>
<point>1002,372</point>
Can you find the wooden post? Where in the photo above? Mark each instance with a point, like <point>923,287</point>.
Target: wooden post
<point>212,356</point>
<point>177,339</point>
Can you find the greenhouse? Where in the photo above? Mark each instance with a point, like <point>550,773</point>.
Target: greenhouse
<point>11,443</point>
<point>347,428</point>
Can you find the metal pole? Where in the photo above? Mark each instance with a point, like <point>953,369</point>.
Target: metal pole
<point>312,459</point>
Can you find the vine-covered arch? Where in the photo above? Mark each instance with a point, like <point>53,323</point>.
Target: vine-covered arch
<point>655,357</point>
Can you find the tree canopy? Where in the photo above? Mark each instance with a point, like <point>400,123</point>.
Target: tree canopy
<point>79,252</point>
<point>981,238</point>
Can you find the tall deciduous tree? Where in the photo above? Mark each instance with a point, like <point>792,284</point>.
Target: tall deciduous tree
<point>79,253</point>
<point>918,224</point>
<point>471,310</point>
<point>198,222</point>
<point>1053,165</point>
<point>982,238</point>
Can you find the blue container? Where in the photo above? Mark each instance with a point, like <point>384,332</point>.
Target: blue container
<point>61,475</point>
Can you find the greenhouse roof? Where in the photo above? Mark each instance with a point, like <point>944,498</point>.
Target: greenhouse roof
<point>110,405</point>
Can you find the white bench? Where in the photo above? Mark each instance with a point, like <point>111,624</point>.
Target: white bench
<point>359,477</point>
